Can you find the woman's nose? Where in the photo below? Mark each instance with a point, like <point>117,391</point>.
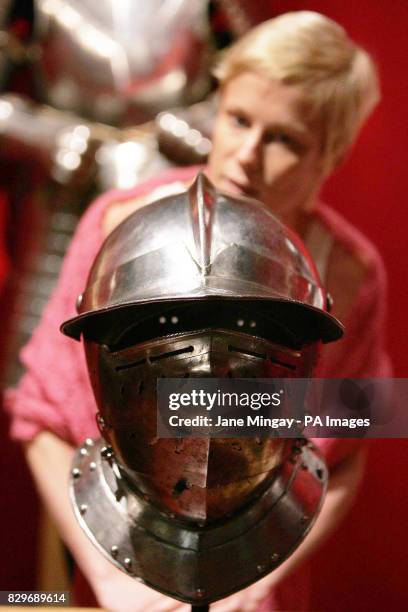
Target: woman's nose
<point>249,151</point>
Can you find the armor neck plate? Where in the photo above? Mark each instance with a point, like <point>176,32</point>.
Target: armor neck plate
<point>186,561</point>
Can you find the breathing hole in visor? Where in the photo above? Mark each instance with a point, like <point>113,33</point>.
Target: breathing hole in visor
<point>187,349</point>
<point>235,349</point>
<point>153,358</point>
<point>283,364</point>
<point>133,364</point>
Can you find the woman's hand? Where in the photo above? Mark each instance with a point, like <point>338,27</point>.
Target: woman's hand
<point>118,592</point>
<point>247,600</point>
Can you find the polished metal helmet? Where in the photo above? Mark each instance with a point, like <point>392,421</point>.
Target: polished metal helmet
<point>199,284</point>
<point>195,247</point>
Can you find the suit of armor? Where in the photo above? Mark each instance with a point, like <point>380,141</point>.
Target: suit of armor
<point>100,74</point>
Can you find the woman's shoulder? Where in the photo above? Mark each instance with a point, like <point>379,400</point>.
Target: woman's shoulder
<point>353,261</point>
<point>347,238</point>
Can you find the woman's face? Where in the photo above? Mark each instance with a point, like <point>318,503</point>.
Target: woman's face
<point>264,146</point>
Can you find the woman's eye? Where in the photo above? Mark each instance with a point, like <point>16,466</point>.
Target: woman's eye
<point>239,120</point>
<point>279,137</point>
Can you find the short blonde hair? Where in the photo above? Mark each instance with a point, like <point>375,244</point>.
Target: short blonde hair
<point>304,48</point>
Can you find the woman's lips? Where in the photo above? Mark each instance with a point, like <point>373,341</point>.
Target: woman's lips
<point>238,188</point>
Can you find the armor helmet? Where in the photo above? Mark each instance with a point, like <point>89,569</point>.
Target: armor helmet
<point>199,284</point>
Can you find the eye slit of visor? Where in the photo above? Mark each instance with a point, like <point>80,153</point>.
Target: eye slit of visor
<point>244,317</point>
